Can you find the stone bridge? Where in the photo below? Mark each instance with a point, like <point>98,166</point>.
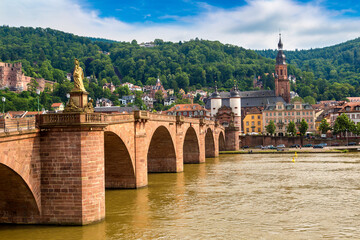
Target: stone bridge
<point>57,172</point>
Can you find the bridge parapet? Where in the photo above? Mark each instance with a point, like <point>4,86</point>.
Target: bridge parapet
<point>119,118</point>
<point>68,119</point>
<point>162,117</point>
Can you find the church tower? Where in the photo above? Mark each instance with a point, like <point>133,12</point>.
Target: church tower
<point>282,84</point>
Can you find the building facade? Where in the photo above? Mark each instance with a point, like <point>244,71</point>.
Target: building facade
<point>282,114</point>
<point>253,122</point>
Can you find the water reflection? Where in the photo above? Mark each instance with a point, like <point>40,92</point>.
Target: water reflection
<point>231,197</point>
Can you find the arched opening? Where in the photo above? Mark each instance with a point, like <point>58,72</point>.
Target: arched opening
<point>119,170</point>
<point>17,202</point>
<point>191,150</point>
<point>221,142</point>
<point>209,144</point>
<point>161,154</point>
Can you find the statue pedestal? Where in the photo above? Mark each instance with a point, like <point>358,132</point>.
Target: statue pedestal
<point>80,98</point>
<point>78,102</point>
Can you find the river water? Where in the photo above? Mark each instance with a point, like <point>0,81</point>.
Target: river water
<point>231,197</point>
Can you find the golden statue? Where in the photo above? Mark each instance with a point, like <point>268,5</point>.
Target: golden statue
<point>78,77</point>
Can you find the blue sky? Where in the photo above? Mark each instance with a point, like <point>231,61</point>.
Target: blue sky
<point>165,11</point>
<point>251,24</point>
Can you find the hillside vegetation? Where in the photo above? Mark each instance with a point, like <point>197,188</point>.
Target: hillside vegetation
<point>189,65</point>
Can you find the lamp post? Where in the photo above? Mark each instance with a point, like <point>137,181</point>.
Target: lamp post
<point>3,100</point>
<point>38,98</point>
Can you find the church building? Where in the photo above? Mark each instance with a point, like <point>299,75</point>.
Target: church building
<point>242,102</point>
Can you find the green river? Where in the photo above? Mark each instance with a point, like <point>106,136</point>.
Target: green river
<point>231,197</point>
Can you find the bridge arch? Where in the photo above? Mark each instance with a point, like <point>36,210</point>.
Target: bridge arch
<point>209,143</point>
<point>161,156</point>
<point>17,202</point>
<point>119,169</point>
<point>221,141</point>
<point>191,150</point>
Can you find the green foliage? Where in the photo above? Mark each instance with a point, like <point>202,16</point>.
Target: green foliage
<point>343,124</point>
<point>309,100</point>
<point>303,127</point>
<point>297,99</point>
<point>270,128</point>
<point>291,129</point>
<point>324,126</point>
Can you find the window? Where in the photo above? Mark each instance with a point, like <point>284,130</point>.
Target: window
<point>280,114</point>
<point>252,117</point>
<point>259,130</point>
<point>247,123</point>
<point>266,114</point>
<point>270,114</point>
<point>247,130</point>
<point>274,114</point>
<point>185,113</point>
<point>258,116</point>
<point>259,123</point>
<point>293,113</point>
<point>252,123</point>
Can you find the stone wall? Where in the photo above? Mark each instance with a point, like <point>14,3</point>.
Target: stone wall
<point>253,141</point>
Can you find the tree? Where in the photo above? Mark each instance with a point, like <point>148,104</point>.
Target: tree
<point>271,127</point>
<point>324,126</point>
<point>309,100</point>
<point>303,127</point>
<point>291,129</point>
<point>343,124</point>
<point>297,99</point>
<point>123,91</point>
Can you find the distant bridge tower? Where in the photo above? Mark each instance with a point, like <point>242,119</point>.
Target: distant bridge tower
<point>215,102</point>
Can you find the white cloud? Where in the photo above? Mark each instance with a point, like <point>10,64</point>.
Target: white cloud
<point>254,25</point>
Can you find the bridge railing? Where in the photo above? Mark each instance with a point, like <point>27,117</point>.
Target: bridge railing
<point>69,118</point>
<point>17,124</point>
<point>119,117</point>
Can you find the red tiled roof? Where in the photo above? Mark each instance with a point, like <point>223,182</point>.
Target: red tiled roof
<point>352,106</point>
<point>56,104</point>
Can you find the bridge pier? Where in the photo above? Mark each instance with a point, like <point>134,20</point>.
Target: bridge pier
<point>72,170</point>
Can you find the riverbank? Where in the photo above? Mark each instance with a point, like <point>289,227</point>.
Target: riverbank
<point>291,151</point>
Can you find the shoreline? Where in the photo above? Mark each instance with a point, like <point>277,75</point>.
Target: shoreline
<point>289,151</point>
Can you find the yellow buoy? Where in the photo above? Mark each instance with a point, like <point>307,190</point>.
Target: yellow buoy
<point>293,159</point>
<point>295,154</point>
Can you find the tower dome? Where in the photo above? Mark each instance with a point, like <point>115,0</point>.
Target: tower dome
<point>215,94</point>
<point>234,92</point>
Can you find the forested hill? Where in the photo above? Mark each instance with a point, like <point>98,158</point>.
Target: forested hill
<point>193,64</point>
<point>50,54</point>
<point>338,63</point>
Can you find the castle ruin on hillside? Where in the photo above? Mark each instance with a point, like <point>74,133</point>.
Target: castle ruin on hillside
<point>12,77</point>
